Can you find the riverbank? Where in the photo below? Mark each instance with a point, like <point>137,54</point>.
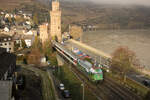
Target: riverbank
<point>109,40</point>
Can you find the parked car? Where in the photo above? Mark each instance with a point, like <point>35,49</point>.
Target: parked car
<point>61,87</point>
<point>48,62</point>
<point>66,94</point>
<point>146,82</point>
<point>21,82</point>
<point>20,54</point>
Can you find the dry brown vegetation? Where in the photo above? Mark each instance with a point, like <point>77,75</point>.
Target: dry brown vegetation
<point>75,31</point>
<point>105,16</point>
<point>123,60</point>
<point>33,89</point>
<point>34,57</point>
<point>10,4</point>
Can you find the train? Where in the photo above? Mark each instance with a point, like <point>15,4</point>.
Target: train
<point>93,72</point>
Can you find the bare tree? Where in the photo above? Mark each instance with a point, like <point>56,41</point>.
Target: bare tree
<point>34,57</point>
<point>123,60</point>
<point>37,44</point>
<point>47,47</point>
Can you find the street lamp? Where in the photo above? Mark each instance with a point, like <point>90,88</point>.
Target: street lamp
<point>83,91</point>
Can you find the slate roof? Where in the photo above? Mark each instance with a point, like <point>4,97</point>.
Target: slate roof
<point>2,50</point>
<point>5,90</point>
<point>6,59</point>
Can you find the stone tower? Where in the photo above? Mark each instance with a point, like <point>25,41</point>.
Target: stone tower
<point>55,27</point>
<point>43,32</point>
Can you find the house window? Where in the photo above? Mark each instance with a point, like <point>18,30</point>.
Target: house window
<point>5,43</point>
<point>9,38</point>
<point>5,39</point>
<point>1,44</point>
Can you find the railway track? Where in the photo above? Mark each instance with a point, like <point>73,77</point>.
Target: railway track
<point>108,90</point>
<point>126,93</point>
<point>87,84</point>
<point>101,92</point>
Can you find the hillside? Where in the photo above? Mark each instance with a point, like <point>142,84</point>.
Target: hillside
<point>10,4</point>
<point>106,16</point>
<point>87,13</point>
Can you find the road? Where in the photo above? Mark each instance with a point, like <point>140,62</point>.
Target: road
<point>56,84</point>
<point>138,77</point>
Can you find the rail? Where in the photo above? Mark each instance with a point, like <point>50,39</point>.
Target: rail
<point>98,52</point>
<point>111,87</point>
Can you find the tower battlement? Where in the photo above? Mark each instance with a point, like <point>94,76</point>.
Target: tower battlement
<point>55,27</point>
<point>55,6</point>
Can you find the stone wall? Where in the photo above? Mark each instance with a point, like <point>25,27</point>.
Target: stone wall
<point>43,32</point>
<point>75,31</point>
<point>55,27</point>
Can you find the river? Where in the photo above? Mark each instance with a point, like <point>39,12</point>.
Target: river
<point>109,40</point>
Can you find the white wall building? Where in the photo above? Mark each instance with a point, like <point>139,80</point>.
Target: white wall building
<point>7,15</point>
<point>29,33</point>
<point>7,42</point>
<point>28,42</point>
<point>6,29</point>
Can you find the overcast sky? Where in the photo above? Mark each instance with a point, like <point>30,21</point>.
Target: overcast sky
<point>124,2</point>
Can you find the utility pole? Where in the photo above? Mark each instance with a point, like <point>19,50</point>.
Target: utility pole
<point>83,90</point>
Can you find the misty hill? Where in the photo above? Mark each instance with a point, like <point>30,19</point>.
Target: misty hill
<point>10,4</point>
<point>106,16</point>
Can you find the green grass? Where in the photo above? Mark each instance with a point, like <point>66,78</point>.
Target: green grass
<point>138,88</point>
<point>48,91</point>
<point>131,84</point>
<point>73,84</point>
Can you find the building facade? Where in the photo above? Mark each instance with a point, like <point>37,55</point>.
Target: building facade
<point>55,27</point>
<point>7,69</point>
<point>7,42</point>
<point>7,65</point>
<point>43,32</point>
<point>29,39</point>
<point>76,32</point>
<point>2,50</point>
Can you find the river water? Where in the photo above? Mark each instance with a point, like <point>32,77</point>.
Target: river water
<point>109,40</point>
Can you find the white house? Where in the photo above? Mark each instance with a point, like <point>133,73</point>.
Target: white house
<point>29,33</point>
<point>15,16</point>
<point>6,29</point>
<point>43,60</point>
<point>7,15</point>
<point>28,22</point>
<point>2,13</point>
<point>28,42</point>
<point>11,15</point>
